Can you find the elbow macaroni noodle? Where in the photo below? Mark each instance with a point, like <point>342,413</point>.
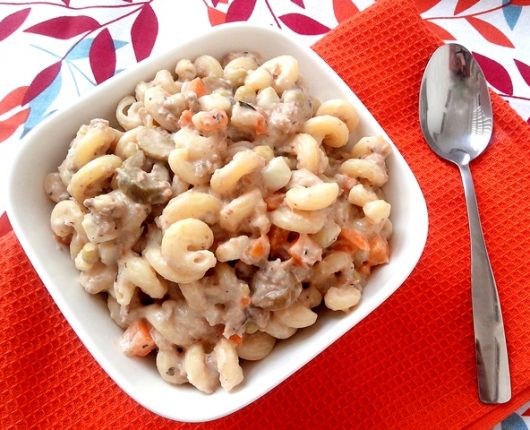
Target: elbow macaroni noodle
<point>225,213</point>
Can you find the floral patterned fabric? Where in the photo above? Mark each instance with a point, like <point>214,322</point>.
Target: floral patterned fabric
<point>55,51</point>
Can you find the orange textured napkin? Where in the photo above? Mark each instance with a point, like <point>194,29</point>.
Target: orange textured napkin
<point>409,365</point>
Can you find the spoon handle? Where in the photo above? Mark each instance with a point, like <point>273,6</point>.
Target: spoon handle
<point>493,370</point>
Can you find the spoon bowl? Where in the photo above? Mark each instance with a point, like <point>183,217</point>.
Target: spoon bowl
<point>457,122</point>
<point>455,107</point>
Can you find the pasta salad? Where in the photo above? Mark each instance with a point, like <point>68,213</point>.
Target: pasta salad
<point>227,208</point>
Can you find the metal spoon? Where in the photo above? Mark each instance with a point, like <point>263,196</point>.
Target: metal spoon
<point>456,120</point>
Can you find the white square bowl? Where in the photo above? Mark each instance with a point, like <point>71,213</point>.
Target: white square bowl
<point>29,212</point>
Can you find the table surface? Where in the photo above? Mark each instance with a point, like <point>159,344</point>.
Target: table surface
<point>55,51</point>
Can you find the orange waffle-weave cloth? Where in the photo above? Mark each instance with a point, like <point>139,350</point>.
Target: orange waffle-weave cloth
<point>409,365</point>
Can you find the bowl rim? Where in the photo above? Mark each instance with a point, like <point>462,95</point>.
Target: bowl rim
<point>23,233</point>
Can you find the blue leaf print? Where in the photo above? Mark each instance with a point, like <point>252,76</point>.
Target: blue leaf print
<point>513,422</point>
<point>511,14</point>
<point>119,43</point>
<point>40,104</point>
<point>82,49</point>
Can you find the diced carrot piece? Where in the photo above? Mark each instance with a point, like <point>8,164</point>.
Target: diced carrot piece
<point>185,118</point>
<point>379,250</point>
<point>342,246</point>
<point>274,201</point>
<point>245,301</point>
<point>198,87</point>
<point>260,248</point>
<point>236,339</point>
<point>261,126</point>
<point>355,238</point>
<point>137,340</point>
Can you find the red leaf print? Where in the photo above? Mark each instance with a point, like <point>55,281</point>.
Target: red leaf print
<point>495,73</point>
<point>463,5</point>
<point>66,2</point>
<point>343,9</point>
<point>10,125</point>
<point>42,81</point>
<point>425,5</point>
<point>524,70</point>
<point>12,99</point>
<point>64,27</point>
<point>520,3</point>
<point>489,32</point>
<point>102,56</point>
<point>299,3</point>
<point>12,22</point>
<point>215,3</point>
<point>5,225</point>
<point>144,32</point>
<point>441,32</point>
<point>527,413</point>
<point>302,24</point>
<point>240,10</point>
<point>215,16</point>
